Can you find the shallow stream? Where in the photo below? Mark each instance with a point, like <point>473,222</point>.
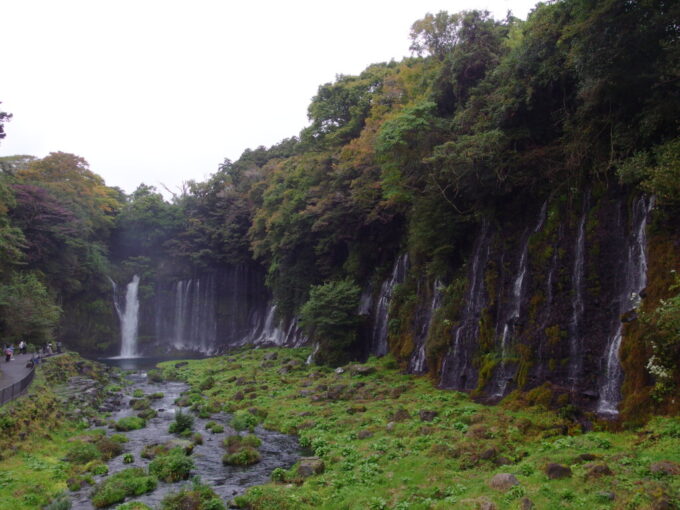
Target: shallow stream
<point>277,450</point>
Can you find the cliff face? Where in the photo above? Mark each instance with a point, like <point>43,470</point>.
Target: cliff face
<point>548,293</point>
<point>545,296</point>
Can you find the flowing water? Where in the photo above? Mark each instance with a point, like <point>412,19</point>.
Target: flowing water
<point>379,345</point>
<point>277,450</point>
<point>632,283</point>
<point>417,361</point>
<point>128,315</point>
<point>577,305</point>
<point>457,372</point>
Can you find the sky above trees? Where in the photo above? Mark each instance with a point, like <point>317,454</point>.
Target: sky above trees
<point>162,91</point>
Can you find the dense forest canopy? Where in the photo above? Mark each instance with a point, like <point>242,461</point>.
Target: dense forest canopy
<point>406,156</point>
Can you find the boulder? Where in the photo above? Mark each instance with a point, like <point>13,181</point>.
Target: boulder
<point>556,471</point>
<point>270,356</point>
<point>598,470</point>
<point>364,434</point>
<point>309,466</point>
<point>526,504</point>
<point>503,481</point>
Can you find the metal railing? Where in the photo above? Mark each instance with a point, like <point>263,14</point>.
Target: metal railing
<point>18,388</point>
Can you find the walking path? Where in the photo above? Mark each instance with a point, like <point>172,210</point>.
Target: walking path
<point>13,371</point>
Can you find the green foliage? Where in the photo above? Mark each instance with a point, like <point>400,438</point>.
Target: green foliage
<point>182,424</point>
<point>172,467</point>
<point>126,483</point>
<point>243,420</point>
<point>130,423</point>
<point>329,317</point>
<point>82,452</point>
<point>27,311</point>
<point>663,325</point>
<point>196,497</point>
<point>245,456</point>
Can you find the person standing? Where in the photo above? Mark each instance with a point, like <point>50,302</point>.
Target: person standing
<point>22,347</point>
<point>8,354</point>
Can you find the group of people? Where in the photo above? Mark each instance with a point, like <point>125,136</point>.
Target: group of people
<point>47,350</point>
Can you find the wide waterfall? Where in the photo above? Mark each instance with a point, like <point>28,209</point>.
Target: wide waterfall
<point>187,319</point>
<point>128,315</point>
<point>632,283</point>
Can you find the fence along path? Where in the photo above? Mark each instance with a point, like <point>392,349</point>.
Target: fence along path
<point>15,377</point>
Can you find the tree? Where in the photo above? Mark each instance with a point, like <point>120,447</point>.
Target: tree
<point>27,311</point>
<point>435,34</point>
<point>4,117</point>
<point>330,318</point>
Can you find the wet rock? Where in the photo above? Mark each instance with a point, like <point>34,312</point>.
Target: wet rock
<point>309,466</point>
<point>503,481</point>
<point>181,364</point>
<point>598,470</point>
<point>238,396</point>
<point>361,370</point>
<point>556,471</point>
<point>339,370</point>
<point>586,457</point>
<point>665,467</point>
<point>427,415</point>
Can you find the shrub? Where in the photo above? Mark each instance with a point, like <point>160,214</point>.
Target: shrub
<point>130,423</point>
<point>109,447</point>
<point>155,375</point>
<point>133,505</point>
<point>128,458</point>
<point>60,502</point>
<point>183,423</point>
<point>140,404</point>
<point>245,456</point>
<point>82,453</point>
<point>126,483</point>
<point>198,497</point>
<point>244,420</point>
<point>138,393</point>
<point>173,467</point>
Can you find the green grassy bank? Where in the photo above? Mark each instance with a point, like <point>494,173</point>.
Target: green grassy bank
<point>389,440</point>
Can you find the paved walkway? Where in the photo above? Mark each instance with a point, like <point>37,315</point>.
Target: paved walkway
<point>13,371</point>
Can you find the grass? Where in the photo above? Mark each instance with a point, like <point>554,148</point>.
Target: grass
<point>374,461</point>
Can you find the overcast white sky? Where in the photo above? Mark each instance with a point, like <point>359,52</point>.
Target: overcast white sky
<point>161,91</point>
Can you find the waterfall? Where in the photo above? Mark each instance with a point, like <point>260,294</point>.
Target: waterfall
<point>379,345</point>
<point>188,315</point>
<point>577,305</point>
<point>128,315</point>
<point>633,281</point>
<point>514,309</point>
<point>417,361</point>
<point>457,371</point>
<point>512,316</point>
